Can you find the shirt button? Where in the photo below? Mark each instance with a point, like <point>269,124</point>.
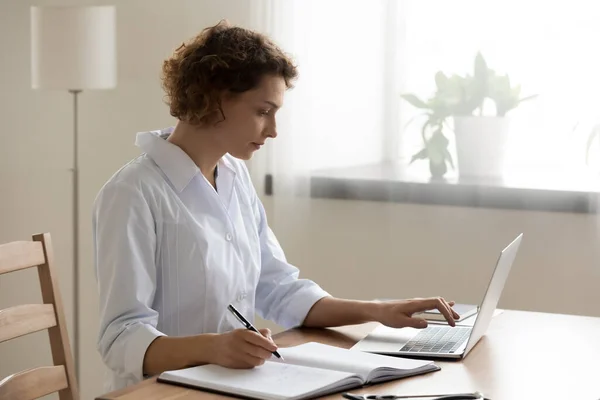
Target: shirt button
<point>241,297</point>
<point>228,237</point>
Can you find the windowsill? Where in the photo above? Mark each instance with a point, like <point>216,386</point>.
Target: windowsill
<point>394,182</point>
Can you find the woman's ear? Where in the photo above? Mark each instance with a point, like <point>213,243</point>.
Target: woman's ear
<point>225,101</point>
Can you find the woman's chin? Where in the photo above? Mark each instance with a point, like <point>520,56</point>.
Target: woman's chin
<point>243,155</point>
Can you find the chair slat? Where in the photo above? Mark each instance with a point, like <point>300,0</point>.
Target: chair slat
<point>24,319</point>
<point>20,255</point>
<point>33,383</point>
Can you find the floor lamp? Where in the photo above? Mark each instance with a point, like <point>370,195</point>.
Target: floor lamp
<point>73,48</point>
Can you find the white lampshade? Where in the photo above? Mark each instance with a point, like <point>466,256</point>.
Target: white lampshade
<point>73,48</point>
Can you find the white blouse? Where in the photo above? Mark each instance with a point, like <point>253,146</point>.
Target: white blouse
<point>171,253</point>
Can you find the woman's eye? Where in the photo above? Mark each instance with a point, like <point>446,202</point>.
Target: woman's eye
<point>264,112</point>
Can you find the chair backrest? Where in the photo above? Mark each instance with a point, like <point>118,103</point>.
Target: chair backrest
<point>28,318</point>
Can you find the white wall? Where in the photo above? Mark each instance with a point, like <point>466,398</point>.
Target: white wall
<point>354,249</point>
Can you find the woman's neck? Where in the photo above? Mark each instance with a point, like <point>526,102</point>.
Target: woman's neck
<point>200,145</point>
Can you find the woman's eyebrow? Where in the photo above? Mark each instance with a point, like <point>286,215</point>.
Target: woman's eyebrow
<point>274,105</point>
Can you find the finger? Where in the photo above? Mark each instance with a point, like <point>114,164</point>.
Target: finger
<point>258,339</point>
<point>240,358</point>
<point>256,351</point>
<point>450,315</point>
<point>443,307</point>
<point>266,332</point>
<point>454,313</point>
<point>243,363</point>
<point>418,323</point>
<point>250,361</point>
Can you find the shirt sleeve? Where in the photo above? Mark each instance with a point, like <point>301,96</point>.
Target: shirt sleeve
<point>124,254</point>
<point>281,296</point>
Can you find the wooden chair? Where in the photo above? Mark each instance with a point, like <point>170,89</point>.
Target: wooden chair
<point>28,318</point>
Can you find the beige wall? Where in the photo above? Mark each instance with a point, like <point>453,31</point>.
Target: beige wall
<point>354,249</point>
<point>370,250</point>
<point>34,179</point>
<point>35,149</point>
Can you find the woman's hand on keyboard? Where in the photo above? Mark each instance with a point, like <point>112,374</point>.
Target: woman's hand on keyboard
<point>399,313</point>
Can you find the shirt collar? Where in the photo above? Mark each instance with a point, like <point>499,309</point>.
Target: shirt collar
<point>171,159</point>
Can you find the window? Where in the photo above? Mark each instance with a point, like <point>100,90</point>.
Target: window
<point>544,46</point>
<point>357,57</point>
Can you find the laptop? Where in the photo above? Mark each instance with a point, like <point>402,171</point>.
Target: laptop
<point>444,341</point>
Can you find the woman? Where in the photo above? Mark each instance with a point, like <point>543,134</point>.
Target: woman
<point>180,232</point>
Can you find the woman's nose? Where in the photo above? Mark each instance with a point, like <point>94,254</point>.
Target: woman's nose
<point>272,130</point>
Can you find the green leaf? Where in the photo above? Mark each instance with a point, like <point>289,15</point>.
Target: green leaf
<point>421,155</point>
<point>435,155</point>
<point>478,87</point>
<point>501,86</point>
<point>439,139</point>
<point>439,114</point>
<point>449,158</point>
<point>424,130</point>
<point>436,146</point>
<point>441,81</point>
<point>437,170</point>
<point>481,68</point>
<point>414,100</point>
<point>533,96</point>
<point>516,91</point>
<point>504,105</point>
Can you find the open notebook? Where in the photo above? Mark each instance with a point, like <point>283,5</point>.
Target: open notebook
<point>309,370</point>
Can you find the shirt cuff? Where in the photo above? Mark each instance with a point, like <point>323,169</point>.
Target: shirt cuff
<point>300,304</point>
<point>141,336</point>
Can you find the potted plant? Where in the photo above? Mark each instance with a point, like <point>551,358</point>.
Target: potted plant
<point>481,138</point>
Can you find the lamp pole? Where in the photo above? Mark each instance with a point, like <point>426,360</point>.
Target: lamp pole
<point>75,220</point>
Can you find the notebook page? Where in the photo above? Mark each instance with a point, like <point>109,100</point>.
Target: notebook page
<point>335,358</point>
<point>273,381</point>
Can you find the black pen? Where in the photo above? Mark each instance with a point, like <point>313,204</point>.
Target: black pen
<point>248,325</point>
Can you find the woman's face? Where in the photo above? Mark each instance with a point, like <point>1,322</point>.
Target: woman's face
<point>250,117</point>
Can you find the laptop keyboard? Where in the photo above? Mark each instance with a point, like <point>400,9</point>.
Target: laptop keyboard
<point>437,339</point>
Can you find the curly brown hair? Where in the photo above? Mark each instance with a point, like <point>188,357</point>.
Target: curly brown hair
<point>220,59</point>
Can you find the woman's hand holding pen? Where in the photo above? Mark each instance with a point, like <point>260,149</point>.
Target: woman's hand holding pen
<point>243,348</point>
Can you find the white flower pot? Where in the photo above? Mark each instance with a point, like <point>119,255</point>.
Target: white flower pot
<point>481,145</point>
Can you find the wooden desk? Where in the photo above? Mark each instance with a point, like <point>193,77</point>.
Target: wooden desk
<point>524,355</point>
